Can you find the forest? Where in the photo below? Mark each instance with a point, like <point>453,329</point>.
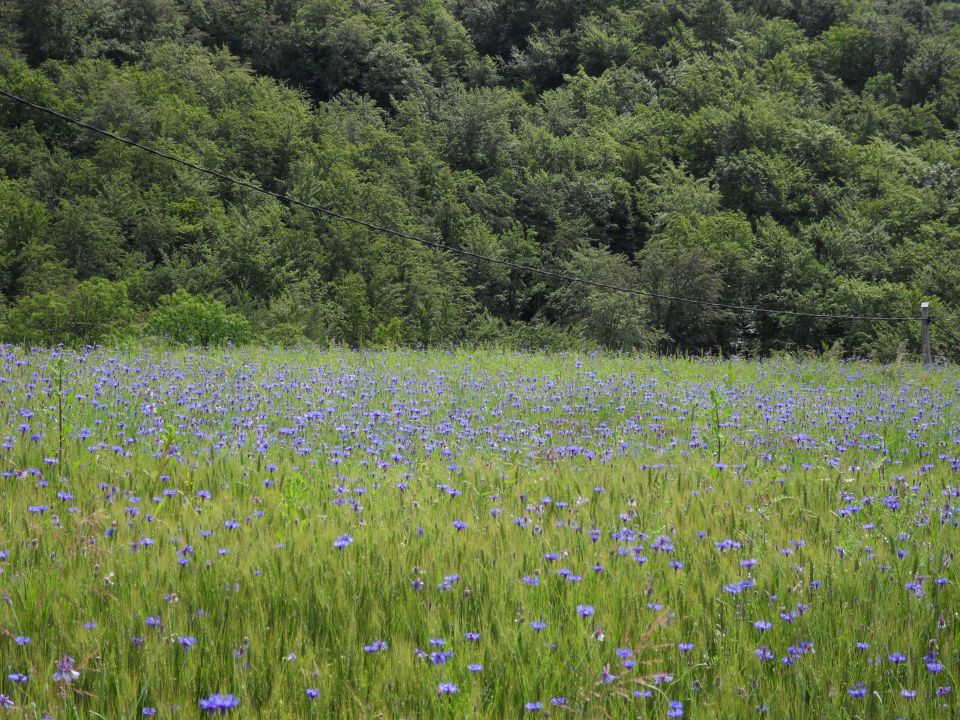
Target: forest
<point>792,154</point>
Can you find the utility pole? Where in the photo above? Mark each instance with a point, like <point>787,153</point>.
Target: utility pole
<point>925,332</point>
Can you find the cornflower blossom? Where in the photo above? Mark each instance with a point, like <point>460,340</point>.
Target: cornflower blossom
<point>218,704</point>
<point>65,672</point>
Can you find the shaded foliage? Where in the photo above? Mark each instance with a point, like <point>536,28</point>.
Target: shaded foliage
<point>798,154</point>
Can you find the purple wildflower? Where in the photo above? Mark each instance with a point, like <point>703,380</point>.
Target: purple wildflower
<point>65,672</point>
<point>218,704</point>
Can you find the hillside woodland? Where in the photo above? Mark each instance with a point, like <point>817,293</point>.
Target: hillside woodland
<point>797,154</point>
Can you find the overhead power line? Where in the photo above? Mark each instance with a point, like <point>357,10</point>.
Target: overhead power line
<point>946,331</point>
<point>433,243</point>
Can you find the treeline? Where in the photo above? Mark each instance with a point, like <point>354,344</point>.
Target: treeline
<point>799,154</point>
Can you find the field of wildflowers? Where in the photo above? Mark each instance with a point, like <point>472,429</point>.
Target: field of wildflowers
<point>286,534</point>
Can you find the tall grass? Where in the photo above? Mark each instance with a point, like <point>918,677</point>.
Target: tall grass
<point>682,501</point>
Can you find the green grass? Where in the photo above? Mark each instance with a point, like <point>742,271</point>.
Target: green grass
<point>283,588</point>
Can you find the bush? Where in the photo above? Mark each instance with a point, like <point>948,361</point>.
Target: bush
<point>87,314</point>
<point>197,320</point>
<point>37,319</point>
<point>96,309</point>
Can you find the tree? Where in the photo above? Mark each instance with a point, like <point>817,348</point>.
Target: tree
<point>670,265</point>
<point>935,58</point>
<point>610,318</point>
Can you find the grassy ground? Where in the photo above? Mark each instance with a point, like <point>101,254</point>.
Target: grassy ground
<point>630,537</point>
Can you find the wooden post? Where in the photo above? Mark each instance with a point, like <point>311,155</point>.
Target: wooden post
<point>925,332</point>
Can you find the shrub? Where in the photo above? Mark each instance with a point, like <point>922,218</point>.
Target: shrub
<point>97,308</point>
<point>38,318</point>
<point>197,320</point>
<point>87,314</point>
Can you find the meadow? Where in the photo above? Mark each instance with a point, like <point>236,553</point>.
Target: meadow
<point>283,534</point>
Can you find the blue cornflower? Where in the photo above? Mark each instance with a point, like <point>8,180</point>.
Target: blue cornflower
<point>218,704</point>
<point>763,625</point>
<point>447,688</point>
<point>376,646</point>
<point>460,525</point>
<point>475,667</point>
<point>342,541</point>
<point>533,706</point>
<point>22,640</point>
<point>149,711</point>
<point>558,701</point>
<point>585,610</point>
<point>685,647</point>
<point>65,672</point>
<point>18,678</point>
<point>675,710</point>
<point>538,625</point>
<point>313,693</point>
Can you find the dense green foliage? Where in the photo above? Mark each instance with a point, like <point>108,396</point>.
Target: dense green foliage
<point>801,154</point>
